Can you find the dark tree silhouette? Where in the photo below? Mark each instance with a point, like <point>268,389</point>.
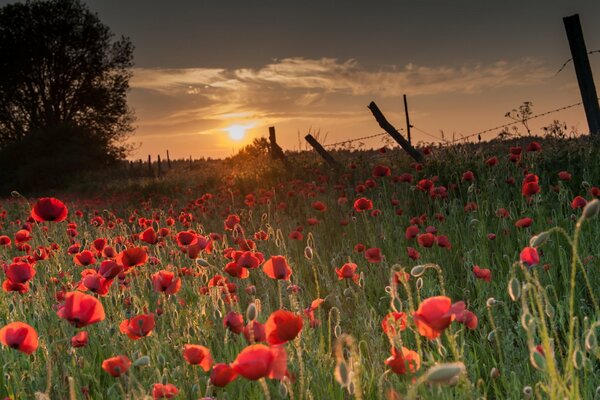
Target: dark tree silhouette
<point>63,83</point>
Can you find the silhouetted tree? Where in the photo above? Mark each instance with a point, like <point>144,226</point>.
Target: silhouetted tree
<point>62,74</point>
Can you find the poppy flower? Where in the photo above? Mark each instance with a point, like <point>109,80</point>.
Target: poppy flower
<point>464,316</point>
<point>468,176</point>
<point>84,258</point>
<point>482,273</point>
<point>109,269</point>
<point>413,254</point>
<point>530,188</point>
<point>49,209</point>
<point>132,257</point>
<point>433,316</point>
<point>524,222</point>
<point>277,268</point>
<point>19,336</point>
<point>20,272</point>
<point>149,236</point>
<point>167,391</point>
<point>231,221</point>
<point>10,286</point>
<point>373,255</point>
<point>533,147</point>
<point>296,235</point>
<point>403,361</point>
<point>381,171</point>
<point>564,176</point>
<point>5,241</point>
<point>443,242</point>
<point>256,331</point>
<point>198,355</point>
<point>363,204</point>
<point>490,162</point>
<point>411,232</point>
<point>347,271</point>
<point>222,374</point>
<point>319,206</point>
<point>426,240</point>
<point>80,339</point>
<point>81,309</point>
<point>578,202</point>
<point>260,361</point>
<point>138,327</point>
<point>164,281</point>
<point>282,326</point>
<point>234,321</point>
<point>116,366</point>
<point>393,322</point>
<point>95,282</point>
<point>529,256</point>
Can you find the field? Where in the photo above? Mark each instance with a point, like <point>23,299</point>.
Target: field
<point>472,275</point>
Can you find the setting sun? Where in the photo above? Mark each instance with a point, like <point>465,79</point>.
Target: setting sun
<point>237,132</point>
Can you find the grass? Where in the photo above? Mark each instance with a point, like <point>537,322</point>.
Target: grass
<point>555,309</point>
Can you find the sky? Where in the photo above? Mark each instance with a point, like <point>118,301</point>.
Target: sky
<point>204,66</point>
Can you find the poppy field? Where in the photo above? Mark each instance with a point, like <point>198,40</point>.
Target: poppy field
<point>471,275</point>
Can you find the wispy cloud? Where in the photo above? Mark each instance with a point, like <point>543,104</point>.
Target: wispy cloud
<point>200,100</point>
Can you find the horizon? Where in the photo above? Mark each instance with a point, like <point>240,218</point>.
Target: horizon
<point>210,77</point>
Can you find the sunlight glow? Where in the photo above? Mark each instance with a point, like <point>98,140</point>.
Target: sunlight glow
<point>237,132</point>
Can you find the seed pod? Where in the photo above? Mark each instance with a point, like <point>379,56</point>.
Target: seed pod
<point>494,373</point>
<point>202,262</point>
<point>514,289</point>
<point>142,361</point>
<point>527,321</point>
<point>591,209</point>
<point>445,374</point>
<point>491,302</point>
<point>251,312</point>
<point>527,392</point>
<point>578,359</point>
<point>418,270</point>
<point>283,390</point>
<point>549,310</point>
<point>337,331</point>
<point>539,239</point>
<point>537,360</point>
<point>591,341</point>
<point>308,252</point>
<point>419,284</point>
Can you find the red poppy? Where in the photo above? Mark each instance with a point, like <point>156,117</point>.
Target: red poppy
<point>167,391</point>
<point>95,282</point>
<point>534,146</point>
<point>84,258</point>
<point>529,256</point>
<point>19,336</point>
<point>319,206</point>
<point>464,316</point>
<point>132,257</point>
<point>411,232</point>
<point>443,241</point>
<point>530,188</point>
<point>164,281</point>
<point>433,316</point>
<point>348,271</point>
<point>578,202</point>
<point>231,222</point>
<point>468,176</point>
<point>282,326</point>
<point>222,375</point>
<point>255,332</point>
<point>403,361</point>
<point>81,309</point>
<point>482,273</point>
<point>5,241</point>
<point>116,366</point>
<point>234,321</point>
<point>260,361</point>
<point>80,339</point>
<point>393,323</point>
<point>363,204</point>
<point>198,355</point>
<point>20,272</point>
<point>381,170</point>
<point>564,176</point>
<point>277,268</point>
<point>149,236</point>
<point>138,327</point>
<point>413,254</point>
<point>426,240</point>
<point>524,222</point>
<point>373,255</point>
<point>490,162</point>
<point>110,269</point>
<point>49,209</point>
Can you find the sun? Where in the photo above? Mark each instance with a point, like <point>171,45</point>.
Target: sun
<point>237,132</point>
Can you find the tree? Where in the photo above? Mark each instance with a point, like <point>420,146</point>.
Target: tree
<point>61,69</point>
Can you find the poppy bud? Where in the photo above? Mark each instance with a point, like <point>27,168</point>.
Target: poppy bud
<point>578,359</point>
<point>591,341</point>
<point>527,392</point>
<point>538,239</point>
<point>514,289</point>
<point>591,209</point>
<point>445,374</point>
<point>341,374</point>
<point>418,270</point>
<point>537,359</point>
<point>251,312</point>
<point>494,373</point>
<point>142,361</point>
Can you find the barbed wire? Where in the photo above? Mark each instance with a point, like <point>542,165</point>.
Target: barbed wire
<point>430,134</point>
<point>355,140</point>
<point>570,59</point>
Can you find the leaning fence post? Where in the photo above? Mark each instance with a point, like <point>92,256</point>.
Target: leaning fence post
<point>389,128</point>
<point>322,152</point>
<point>275,150</point>
<point>585,79</point>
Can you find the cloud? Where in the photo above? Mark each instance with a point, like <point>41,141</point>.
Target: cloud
<point>200,100</point>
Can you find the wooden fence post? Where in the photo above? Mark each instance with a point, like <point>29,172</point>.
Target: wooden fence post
<point>408,125</point>
<point>322,152</point>
<point>150,172</point>
<point>275,150</point>
<point>190,162</point>
<point>389,128</point>
<point>168,160</point>
<point>158,165</point>
<point>585,79</point>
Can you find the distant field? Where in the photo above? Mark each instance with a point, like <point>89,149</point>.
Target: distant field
<point>389,280</point>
